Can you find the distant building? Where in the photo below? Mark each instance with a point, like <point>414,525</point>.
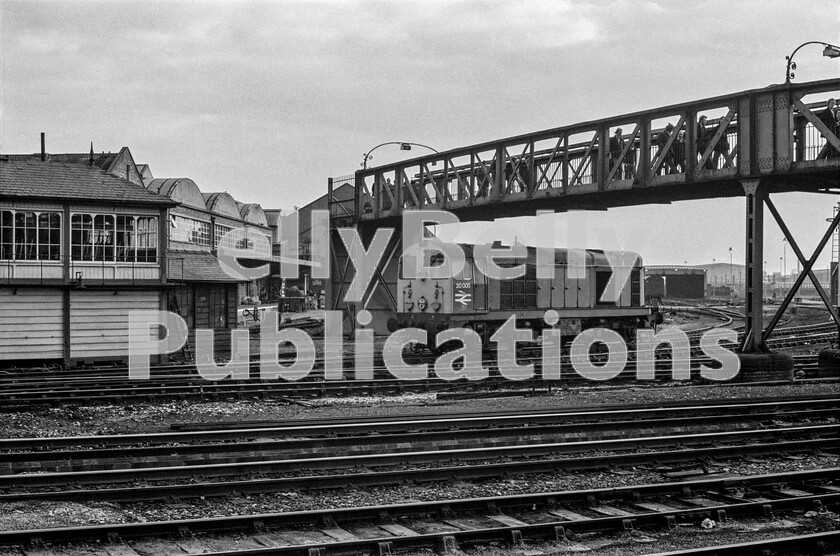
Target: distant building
<point>724,280</point>
<point>674,282</point>
<point>343,198</point>
<point>778,285</point>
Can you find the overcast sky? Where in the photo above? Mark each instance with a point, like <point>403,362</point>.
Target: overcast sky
<point>267,100</point>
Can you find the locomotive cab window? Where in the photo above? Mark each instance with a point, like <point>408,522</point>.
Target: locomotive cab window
<point>434,260</point>
<point>466,272</point>
<point>440,260</point>
<point>602,278</point>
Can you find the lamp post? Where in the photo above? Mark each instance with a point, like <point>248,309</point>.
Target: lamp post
<point>404,146</point>
<point>784,248</point>
<point>731,274</point>
<point>714,271</point>
<point>830,51</point>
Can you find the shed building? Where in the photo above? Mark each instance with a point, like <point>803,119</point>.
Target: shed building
<point>674,282</point>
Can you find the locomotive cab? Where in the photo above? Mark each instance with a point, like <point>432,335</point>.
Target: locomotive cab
<point>435,304</point>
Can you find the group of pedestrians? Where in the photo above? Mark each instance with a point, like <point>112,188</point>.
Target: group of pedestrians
<point>520,170</point>
<point>674,159</point>
<point>623,164</point>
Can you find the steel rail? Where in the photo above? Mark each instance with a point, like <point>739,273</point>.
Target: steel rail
<point>191,454</point>
<point>286,465</point>
<point>366,478</point>
<point>186,455</point>
<point>293,392</point>
<point>573,412</point>
<point>604,415</point>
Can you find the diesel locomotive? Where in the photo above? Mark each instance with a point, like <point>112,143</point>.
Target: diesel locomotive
<point>472,300</point>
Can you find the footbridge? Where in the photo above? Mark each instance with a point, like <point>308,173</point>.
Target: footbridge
<point>750,144</point>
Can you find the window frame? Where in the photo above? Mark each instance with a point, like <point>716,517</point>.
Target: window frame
<point>32,247</point>
<point>196,230</point>
<point>101,246</point>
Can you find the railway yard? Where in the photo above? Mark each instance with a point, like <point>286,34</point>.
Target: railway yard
<point>92,463</point>
<point>185,372</point>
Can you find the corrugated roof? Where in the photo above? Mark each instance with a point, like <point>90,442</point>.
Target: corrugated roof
<point>182,190</point>
<point>223,203</point>
<point>197,266</point>
<point>253,213</point>
<point>27,178</point>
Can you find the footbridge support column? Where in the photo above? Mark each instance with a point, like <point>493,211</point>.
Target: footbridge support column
<point>753,341</point>
<point>757,362</point>
<point>371,287</point>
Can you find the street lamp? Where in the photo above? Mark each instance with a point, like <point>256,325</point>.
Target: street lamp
<point>714,273</point>
<point>404,146</point>
<point>731,274</point>
<point>784,243</point>
<point>830,51</point>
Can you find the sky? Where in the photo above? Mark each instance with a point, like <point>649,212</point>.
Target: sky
<point>266,100</point>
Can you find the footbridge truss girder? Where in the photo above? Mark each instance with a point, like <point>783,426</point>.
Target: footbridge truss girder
<point>752,144</point>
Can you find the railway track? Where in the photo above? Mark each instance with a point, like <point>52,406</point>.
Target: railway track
<point>563,517</point>
<point>553,422</point>
<point>331,454</point>
<point>295,392</point>
<point>21,390</point>
<point>160,374</point>
<point>196,388</point>
<point>687,445</point>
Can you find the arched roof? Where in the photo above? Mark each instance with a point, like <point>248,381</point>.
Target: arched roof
<point>222,203</point>
<point>182,190</point>
<point>253,213</point>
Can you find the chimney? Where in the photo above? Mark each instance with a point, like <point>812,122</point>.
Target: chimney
<point>91,154</point>
<point>43,147</point>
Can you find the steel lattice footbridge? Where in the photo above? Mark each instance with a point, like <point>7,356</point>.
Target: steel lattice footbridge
<point>752,144</point>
